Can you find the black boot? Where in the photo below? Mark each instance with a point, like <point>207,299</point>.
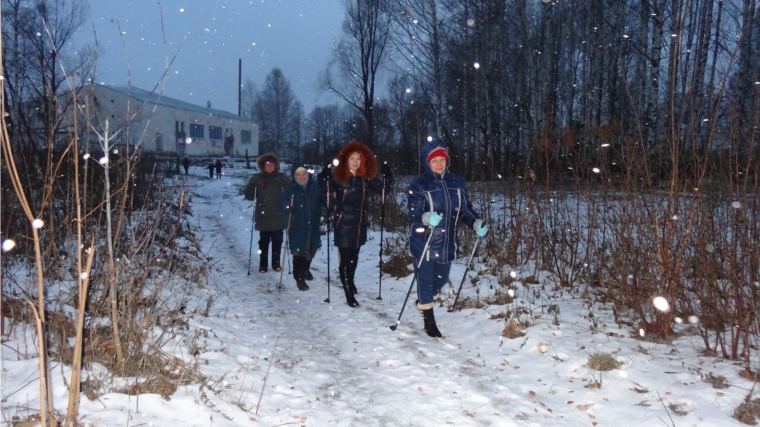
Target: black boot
<point>263,262</point>
<point>430,327</point>
<point>350,300</point>
<point>350,272</point>
<point>308,275</point>
<point>298,273</point>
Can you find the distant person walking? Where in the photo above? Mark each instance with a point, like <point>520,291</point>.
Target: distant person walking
<point>218,165</point>
<point>186,165</point>
<point>210,170</point>
<point>266,188</point>
<point>301,205</point>
<point>352,179</point>
<point>436,200</point>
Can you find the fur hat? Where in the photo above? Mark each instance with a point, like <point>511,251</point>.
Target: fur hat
<point>268,158</point>
<point>367,169</point>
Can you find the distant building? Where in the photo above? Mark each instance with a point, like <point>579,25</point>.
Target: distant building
<point>157,124</point>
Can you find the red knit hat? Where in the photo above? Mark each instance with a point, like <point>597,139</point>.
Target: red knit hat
<point>438,152</point>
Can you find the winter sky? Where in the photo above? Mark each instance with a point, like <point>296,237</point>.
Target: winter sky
<point>208,37</point>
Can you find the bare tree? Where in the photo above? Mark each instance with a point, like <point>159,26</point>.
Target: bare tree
<point>359,56</point>
<point>273,110</point>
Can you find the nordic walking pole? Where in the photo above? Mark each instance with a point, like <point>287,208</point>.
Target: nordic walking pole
<point>328,241</point>
<point>382,226</point>
<point>253,225</point>
<point>467,268</point>
<point>287,235</point>
<point>416,269</point>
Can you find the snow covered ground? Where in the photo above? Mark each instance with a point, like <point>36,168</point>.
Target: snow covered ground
<point>333,365</point>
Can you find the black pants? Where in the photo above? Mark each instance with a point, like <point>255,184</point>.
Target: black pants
<point>276,238</point>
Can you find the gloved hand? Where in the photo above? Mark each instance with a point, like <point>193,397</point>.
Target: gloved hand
<point>324,174</point>
<point>431,218</point>
<point>481,229</point>
<point>385,169</point>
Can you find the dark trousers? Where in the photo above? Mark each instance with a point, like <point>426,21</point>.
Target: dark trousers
<point>276,238</point>
<point>431,278</point>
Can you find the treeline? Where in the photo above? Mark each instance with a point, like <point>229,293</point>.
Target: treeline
<point>536,88</point>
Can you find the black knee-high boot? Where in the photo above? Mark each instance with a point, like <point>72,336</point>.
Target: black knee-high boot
<point>299,266</point>
<point>308,275</point>
<point>350,272</point>
<point>350,300</point>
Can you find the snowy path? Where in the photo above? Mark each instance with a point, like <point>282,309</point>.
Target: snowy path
<point>339,366</point>
<point>333,364</point>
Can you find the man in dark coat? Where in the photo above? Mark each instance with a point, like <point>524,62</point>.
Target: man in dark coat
<point>186,165</point>
<point>218,166</point>
<point>301,204</point>
<point>210,168</point>
<point>266,188</point>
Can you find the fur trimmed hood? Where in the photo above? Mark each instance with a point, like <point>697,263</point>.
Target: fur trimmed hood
<point>269,157</point>
<point>368,168</point>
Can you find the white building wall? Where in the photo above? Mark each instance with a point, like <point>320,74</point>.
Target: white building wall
<point>153,128</point>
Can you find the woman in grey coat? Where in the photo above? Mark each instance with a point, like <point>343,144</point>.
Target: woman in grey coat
<point>266,188</point>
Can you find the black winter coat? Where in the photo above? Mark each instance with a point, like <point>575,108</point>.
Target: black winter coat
<point>350,200</point>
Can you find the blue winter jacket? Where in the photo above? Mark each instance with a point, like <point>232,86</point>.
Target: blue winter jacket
<point>445,194</point>
<point>302,206</point>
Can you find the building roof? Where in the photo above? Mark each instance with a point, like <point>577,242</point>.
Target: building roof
<point>143,95</point>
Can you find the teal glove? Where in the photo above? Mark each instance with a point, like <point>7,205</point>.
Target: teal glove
<point>432,219</point>
<point>481,229</point>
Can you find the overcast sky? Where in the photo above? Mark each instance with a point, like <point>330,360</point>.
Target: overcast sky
<point>211,35</point>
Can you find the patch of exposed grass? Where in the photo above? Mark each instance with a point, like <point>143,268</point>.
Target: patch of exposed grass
<point>717,381</point>
<point>398,265</point>
<point>514,329</point>
<point>747,412</point>
<point>602,361</point>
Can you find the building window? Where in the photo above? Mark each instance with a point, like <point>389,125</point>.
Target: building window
<point>196,131</point>
<point>214,132</point>
<point>245,136</point>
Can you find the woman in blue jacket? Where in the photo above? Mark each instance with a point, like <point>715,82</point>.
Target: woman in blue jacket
<point>301,204</point>
<point>437,200</point>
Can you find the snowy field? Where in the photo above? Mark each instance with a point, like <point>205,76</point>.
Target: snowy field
<point>326,364</point>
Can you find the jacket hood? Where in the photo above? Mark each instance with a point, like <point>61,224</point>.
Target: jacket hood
<point>368,168</point>
<point>269,157</point>
<point>294,168</point>
<point>425,151</point>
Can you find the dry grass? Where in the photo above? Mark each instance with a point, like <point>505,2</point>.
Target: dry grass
<point>602,361</point>
<point>514,329</point>
<point>747,412</point>
<point>717,381</point>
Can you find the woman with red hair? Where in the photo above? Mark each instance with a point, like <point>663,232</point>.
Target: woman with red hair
<point>354,176</point>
